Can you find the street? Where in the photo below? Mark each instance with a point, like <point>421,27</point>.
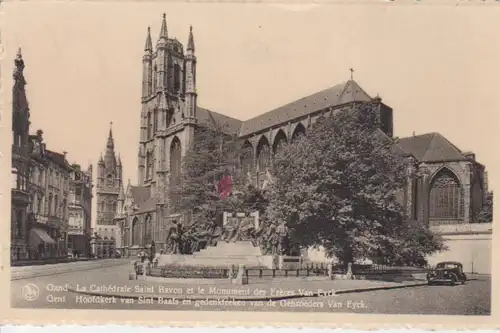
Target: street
<point>472,298</point>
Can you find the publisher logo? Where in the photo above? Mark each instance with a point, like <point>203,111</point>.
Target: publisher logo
<point>31,292</point>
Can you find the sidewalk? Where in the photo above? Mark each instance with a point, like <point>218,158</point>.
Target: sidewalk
<point>27,272</point>
<point>272,290</point>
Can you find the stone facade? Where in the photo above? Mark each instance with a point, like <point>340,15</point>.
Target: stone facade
<point>170,116</point>
<point>80,210</point>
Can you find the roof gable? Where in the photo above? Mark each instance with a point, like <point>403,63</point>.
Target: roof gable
<point>431,147</point>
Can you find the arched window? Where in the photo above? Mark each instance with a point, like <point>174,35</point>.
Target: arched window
<point>56,206</point>
<point>155,77</point>
<point>446,196</point>
<point>177,77</point>
<point>149,165</point>
<point>110,208</point>
<point>150,125</point>
<point>263,154</point>
<point>175,158</point>
<point>299,130</point>
<point>110,180</point>
<point>279,141</point>
<point>246,158</point>
<point>150,80</point>
<point>175,170</point>
<point>49,204</point>
<point>148,229</point>
<point>136,236</point>
<point>155,120</point>
<point>40,205</point>
<point>64,209</point>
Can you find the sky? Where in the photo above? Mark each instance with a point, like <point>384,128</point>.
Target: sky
<point>436,66</point>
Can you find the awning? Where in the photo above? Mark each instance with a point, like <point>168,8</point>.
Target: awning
<point>38,236</point>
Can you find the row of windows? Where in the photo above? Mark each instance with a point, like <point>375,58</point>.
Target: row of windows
<point>55,179</point>
<point>54,207</point>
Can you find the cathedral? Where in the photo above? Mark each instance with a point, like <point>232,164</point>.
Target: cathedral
<point>450,192</point>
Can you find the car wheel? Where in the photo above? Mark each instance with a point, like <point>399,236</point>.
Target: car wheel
<point>453,281</point>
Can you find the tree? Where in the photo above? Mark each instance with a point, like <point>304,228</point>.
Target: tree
<point>213,155</point>
<point>338,185</point>
<point>486,213</point>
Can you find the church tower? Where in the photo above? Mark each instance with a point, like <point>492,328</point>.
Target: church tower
<point>109,182</point>
<point>168,114</point>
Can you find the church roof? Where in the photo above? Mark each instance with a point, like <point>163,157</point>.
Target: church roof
<point>140,194</point>
<point>380,135</point>
<point>334,96</point>
<point>212,118</point>
<point>147,206</point>
<point>431,147</point>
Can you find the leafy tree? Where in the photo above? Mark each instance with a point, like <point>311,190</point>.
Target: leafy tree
<point>338,187</point>
<point>486,213</point>
<point>213,155</point>
<point>410,243</point>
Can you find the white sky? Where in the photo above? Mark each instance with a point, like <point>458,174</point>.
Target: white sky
<point>437,66</point>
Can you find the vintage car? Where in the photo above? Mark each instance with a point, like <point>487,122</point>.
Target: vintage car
<point>447,272</point>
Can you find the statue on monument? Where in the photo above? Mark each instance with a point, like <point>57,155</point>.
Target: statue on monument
<point>282,235</point>
<point>239,229</point>
<point>174,238</point>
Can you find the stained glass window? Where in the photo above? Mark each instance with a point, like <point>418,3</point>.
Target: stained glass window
<point>446,196</point>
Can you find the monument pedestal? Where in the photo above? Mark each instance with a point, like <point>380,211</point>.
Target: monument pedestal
<point>222,255</point>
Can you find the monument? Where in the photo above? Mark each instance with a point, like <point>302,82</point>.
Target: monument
<point>235,245</point>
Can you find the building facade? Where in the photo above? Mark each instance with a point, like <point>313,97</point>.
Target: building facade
<point>39,220</point>
<point>80,211</point>
<point>106,237</point>
<point>450,191</point>
<point>20,197</point>
<point>48,209</point>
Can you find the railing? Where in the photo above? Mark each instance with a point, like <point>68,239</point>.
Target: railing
<point>302,271</point>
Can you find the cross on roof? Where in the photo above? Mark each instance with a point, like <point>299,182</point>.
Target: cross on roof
<point>352,73</point>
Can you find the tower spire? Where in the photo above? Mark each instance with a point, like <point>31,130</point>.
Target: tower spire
<point>109,155</point>
<point>190,45</point>
<point>149,46</point>
<point>163,30</point>
<point>110,144</point>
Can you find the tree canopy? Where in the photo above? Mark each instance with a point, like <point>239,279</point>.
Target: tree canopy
<point>339,186</point>
<point>213,155</point>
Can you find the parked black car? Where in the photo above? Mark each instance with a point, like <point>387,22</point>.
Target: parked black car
<point>447,272</point>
